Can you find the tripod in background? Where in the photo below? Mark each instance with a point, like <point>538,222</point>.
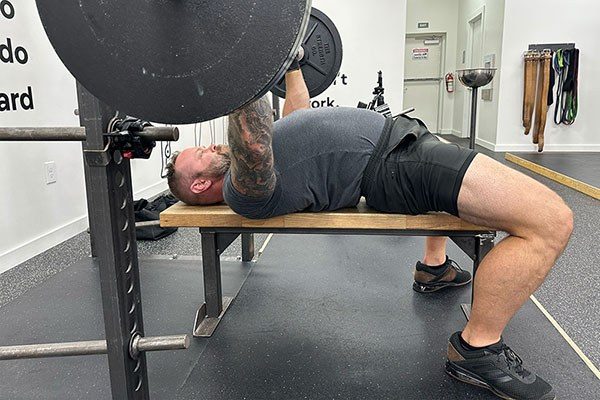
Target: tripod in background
<point>378,103</point>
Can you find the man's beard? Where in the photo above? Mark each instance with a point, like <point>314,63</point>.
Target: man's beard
<point>221,164</point>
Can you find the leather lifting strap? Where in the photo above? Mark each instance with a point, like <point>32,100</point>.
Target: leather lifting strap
<point>541,109</point>
<point>532,59</point>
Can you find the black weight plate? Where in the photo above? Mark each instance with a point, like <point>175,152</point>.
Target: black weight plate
<point>176,61</point>
<point>323,55</point>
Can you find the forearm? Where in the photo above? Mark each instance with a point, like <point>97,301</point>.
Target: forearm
<point>296,93</point>
<point>250,137</point>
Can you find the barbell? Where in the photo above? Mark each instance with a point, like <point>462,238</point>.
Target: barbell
<point>137,345</point>
<point>176,61</point>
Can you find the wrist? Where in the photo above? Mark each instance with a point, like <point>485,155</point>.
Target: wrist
<point>294,66</point>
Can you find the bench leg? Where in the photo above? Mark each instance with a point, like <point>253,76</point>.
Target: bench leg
<point>215,305</point>
<point>247,247</point>
<point>476,248</point>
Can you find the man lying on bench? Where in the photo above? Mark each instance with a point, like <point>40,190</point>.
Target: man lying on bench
<point>326,159</point>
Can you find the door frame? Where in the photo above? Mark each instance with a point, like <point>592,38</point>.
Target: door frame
<point>442,36</point>
<point>478,13</point>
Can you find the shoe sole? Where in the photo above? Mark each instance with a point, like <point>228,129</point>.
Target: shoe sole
<point>425,288</point>
<point>465,376</point>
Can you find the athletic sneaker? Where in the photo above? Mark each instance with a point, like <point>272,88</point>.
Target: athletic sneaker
<point>497,368</point>
<point>449,274</point>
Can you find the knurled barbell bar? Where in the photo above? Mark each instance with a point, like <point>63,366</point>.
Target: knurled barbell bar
<point>137,345</point>
<point>77,134</point>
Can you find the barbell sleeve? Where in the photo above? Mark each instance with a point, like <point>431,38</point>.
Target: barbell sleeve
<point>145,224</point>
<point>160,134</point>
<point>95,347</point>
<point>160,343</point>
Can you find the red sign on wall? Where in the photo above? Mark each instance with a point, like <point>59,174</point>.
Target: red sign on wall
<point>420,54</point>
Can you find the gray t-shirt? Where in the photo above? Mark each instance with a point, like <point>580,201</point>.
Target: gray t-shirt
<point>320,156</point>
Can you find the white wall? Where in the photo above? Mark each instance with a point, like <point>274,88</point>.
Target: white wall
<point>492,44</point>
<point>442,16</point>
<point>37,216</point>
<point>550,21</point>
<point>373,39</point>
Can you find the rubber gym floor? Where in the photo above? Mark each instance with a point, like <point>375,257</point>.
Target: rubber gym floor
<point>316,317</point>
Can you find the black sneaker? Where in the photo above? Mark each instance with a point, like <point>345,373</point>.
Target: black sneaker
<point>429,279</point>
<point>497,368</point>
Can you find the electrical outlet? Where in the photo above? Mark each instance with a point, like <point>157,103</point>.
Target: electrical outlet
<point>50,172</point>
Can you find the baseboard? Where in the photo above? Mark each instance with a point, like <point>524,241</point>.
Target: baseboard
<point>484,143</point>
<point>453,132</point>
<point>550,148</point>
<point>50,239</point>
<point>42,243</point>
<point>151,190</point>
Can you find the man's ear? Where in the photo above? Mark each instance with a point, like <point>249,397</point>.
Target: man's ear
<point>200,185</point>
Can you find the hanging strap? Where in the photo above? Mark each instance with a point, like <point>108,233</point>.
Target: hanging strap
<point>566,66</point>
<point>541,110</point>
<point>532,59</point>
<point>572,88</point>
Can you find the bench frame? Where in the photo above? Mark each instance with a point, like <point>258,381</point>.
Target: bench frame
<point>475,244</point>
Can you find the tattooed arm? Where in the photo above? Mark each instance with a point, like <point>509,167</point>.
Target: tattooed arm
<point>250,134</point>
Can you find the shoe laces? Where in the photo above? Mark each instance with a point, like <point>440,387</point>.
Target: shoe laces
<point>513,361</point>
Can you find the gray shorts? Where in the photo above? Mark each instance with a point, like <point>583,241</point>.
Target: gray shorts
<point>417,175</point>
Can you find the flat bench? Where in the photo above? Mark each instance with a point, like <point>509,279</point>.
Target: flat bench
<point>220,226</point>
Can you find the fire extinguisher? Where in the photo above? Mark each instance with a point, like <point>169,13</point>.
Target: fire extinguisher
<point>450,82</point>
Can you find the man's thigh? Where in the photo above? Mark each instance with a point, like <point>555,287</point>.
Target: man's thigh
<point>499,197</point>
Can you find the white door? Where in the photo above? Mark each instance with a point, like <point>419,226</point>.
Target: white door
<point>423,78</point>
<point>475,60</point>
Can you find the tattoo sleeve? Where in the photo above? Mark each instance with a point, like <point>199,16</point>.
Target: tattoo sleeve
<point>250,137</point>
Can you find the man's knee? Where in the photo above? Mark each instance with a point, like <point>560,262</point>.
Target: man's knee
<point>555,225</point>
<point>562,226</point>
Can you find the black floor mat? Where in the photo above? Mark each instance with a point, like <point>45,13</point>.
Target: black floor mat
<point>319,317</point>
<point>330,317</point>
<point>68,307</point>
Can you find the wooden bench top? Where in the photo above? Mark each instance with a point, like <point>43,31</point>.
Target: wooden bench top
<point>361,217</point>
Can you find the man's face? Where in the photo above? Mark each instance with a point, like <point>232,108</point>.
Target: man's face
<point>211,161</point>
